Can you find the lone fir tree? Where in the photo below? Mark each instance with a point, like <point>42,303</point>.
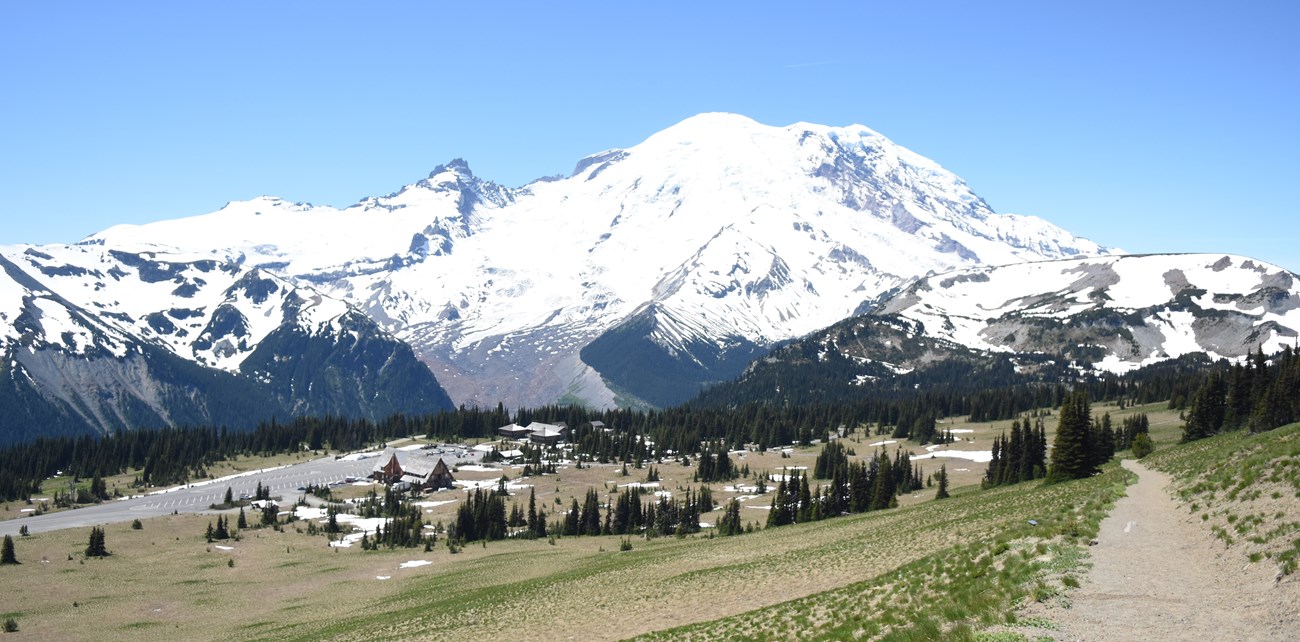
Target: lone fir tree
<point>96,547</point>
<point>943,483</point>
<point>7,555</point>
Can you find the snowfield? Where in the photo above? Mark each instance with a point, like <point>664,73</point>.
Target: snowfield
<point>719,228</point>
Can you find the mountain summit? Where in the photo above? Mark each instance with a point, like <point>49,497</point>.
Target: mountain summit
<point>646,273</point>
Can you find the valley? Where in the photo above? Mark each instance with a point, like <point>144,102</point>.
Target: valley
<point>288,584</point>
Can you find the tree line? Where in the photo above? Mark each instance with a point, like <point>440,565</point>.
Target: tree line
<point>1259,394</point>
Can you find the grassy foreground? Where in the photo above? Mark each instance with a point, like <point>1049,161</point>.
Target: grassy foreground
<point>1245,488</point>
<point>947,566</point>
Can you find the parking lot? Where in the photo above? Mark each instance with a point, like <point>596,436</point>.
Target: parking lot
<point>197,497</point>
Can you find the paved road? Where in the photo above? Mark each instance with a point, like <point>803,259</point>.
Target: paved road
<point>197,497</point>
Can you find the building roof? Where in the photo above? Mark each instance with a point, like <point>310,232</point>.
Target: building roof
<point>539,429</point>
<point>412,462</point>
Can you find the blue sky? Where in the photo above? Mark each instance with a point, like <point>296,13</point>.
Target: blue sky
<point>1152,126</point>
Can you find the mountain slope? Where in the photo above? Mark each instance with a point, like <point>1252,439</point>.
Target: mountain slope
<point>1120,312</point>
<point>697,249</point>
<point>99,340</point>
<point>1041,321</point>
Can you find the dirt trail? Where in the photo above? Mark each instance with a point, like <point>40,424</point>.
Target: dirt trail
<point>1157,575</point>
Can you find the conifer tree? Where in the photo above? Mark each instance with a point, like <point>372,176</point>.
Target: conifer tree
<point>96,546</point>
<point>532,514</point>
<point>780,513</point>
<point>882,495</point>
<point>805,501</point>
<point>1206,415</point>
<point>994,471</point>
<point>7,555</point>
<point>1106,440</point>
<point>572,519</point>
<point>942,493</point>
<point>1072,452</point>
<point>729,523</point>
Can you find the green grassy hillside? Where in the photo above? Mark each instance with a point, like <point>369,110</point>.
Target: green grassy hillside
<point>1245,487</point>
<point>962,562</point>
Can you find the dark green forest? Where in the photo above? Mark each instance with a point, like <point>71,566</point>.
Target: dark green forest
<point>1261,394</point>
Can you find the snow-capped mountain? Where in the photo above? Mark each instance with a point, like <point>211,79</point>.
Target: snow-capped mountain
<point>645,273</point>
<point>1117,312</point>
<point>100,339</point>
<point>977,329</point>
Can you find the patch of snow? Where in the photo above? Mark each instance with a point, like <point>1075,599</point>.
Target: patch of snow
<point>977,456</point>
<point>640,485</point>
<point>360,456</point>
<point>414,564</point>
<point>472,484</point>
<point>435,504</point>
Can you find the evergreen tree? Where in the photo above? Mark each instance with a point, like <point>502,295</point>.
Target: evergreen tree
<point>805,501</point>
<point>1106,440</point>
<point>994,470</point>
<point>942,493</point>
<point>1072,451</point>
<point>780,514</point>
<point>1208,409</point>
<point>1142,446</point>
<point>7,555</point>
<point>96,546</point>
<point>98,488</point>
<point>242,523</point>
<point>572,520</point>
<point>883,494</point>
<point>532,514</point>
<point>589,520</point>
<point>270,512</point>
<point>222,530</point>
<point>729,523</point>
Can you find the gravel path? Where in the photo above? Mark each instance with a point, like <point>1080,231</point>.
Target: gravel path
<point>1157,575</point>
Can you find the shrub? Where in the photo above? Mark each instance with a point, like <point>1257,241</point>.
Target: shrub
<point>136,525</point>
<point>1142,446</point>
<point>11,625</point>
